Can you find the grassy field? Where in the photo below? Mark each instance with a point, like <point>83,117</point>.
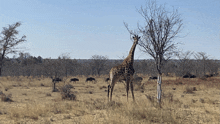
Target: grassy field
<point>184,101</point>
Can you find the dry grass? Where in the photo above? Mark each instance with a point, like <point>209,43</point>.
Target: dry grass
<point>183,101</point>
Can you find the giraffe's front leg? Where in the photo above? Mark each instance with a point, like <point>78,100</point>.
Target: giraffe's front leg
<point>132,92</point>
<point>109,86</point>
<point>112,87</point>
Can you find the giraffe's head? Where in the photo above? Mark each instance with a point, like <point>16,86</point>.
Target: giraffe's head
<point>136,38</point>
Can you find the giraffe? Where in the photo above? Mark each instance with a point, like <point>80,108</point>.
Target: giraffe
<point>124,71</point>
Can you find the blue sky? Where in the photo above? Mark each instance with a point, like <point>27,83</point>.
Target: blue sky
<point>83,28</point>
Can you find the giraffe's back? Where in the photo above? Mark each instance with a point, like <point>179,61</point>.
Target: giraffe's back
<point>121,71</point>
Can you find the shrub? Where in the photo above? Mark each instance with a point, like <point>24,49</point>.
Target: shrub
<point>5,98</point>
<point>189,90</point>
<point>66,92</point>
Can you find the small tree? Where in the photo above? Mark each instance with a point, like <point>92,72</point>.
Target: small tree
<point>98,63</point>
<point>9,41</point>
<point>185,65</point>
<point>65,61</point>
<point>213,66</point>
<point>202,63</point>
<point>158,33</point>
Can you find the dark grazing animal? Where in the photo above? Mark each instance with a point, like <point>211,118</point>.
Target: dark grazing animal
<point>107,79</point>
<point>56,79</point>
<point>186,76</point>
<point>207,76</point>
<point>90,79</point>
<point>74,79</point>
<point>152,78</point>
<point>192,76</point>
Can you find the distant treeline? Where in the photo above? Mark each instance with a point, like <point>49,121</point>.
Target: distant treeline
<point>26,65</point>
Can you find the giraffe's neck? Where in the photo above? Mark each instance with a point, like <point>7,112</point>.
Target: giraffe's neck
<point>130,57</point>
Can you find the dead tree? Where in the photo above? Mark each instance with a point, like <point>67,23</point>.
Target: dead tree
<point>158,33</point>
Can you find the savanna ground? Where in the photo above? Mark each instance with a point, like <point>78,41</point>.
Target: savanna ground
<point>34,102</point>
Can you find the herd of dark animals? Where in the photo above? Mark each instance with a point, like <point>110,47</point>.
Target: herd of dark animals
<point>152,78</point>
<point>136,80</point>
<point>74,79</point>
<point>189,76</point>
<point>194,76</point>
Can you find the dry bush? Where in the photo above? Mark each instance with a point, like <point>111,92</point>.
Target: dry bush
<point>203,78</point>
<point>189,90</point>
<point>6,98</point>
<point>178,83</point>
<point>59,107</point>
<point>138,86</point>
<point>101,87</point>
<point>48,94</point>
<point>66,92</point>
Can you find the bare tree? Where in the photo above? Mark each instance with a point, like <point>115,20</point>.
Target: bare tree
<point>213,67</point>
<point>202,63</point>
<point>185,65</point>
<point>98,63</point>
<point>9,41</point>
<point>65,60</point>
<point>53,68</point>
<point>158,34</point>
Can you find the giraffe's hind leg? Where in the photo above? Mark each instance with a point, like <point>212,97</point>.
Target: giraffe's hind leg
<point>132,92</point>
<point>113,81</point>
<point>109,87</point>
<point>127,86</point>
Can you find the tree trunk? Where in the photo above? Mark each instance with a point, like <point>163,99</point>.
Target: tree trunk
<point>54,87</point>
<point>159,89</point>
<point>204,68</point>
<point>1,65</point>
<point>1,60</point>
<point>66,72</point>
